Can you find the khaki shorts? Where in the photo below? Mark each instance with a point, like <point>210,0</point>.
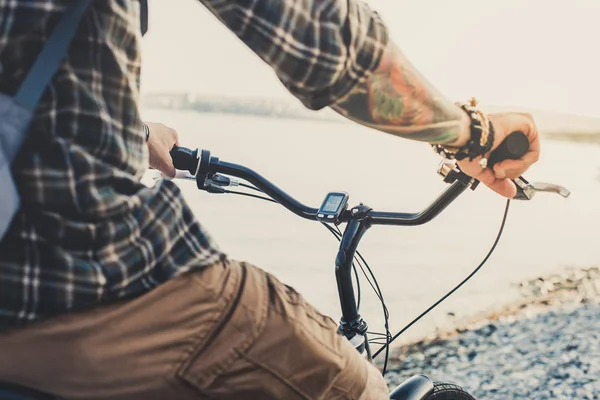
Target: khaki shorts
<point>229,331</point>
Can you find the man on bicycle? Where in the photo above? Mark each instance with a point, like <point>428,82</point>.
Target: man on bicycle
<point>113,290</point>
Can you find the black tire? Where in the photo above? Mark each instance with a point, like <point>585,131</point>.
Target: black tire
<point>448,391</point>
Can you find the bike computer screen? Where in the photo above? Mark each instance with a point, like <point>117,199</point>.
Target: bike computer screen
<point>332,207</point>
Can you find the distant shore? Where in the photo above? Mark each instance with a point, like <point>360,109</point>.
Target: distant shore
<point>547,345</point>
<point>552,125</point>
<point>575,137</point>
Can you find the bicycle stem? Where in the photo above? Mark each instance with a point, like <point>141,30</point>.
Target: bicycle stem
<point>351,324</point>
<point>355,229</point>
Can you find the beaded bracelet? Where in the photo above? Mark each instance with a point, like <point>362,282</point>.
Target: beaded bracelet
<point>480,142</point>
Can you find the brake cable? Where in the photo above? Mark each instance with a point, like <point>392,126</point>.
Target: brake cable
<point>502,224</point>
<point>215,188</point>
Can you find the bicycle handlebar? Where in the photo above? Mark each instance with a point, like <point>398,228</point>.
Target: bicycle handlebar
<point>202,165</point>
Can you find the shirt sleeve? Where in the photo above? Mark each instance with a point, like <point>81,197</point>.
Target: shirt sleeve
<point>319,49</point>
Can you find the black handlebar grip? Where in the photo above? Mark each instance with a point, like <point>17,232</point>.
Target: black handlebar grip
<point>185,159</point>
<point>515,146</point>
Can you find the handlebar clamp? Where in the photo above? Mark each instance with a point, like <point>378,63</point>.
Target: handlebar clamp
<point>452,173</point>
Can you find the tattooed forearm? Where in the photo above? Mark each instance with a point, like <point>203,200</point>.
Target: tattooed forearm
<point>396,99</point>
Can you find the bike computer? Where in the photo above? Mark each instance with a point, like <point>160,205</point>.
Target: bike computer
<point>333,206</point>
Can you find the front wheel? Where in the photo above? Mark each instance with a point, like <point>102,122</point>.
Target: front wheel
<point>448,391</point>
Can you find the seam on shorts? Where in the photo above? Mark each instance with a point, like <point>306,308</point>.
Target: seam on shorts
<point>225,363</point>
<point>250,339</point>
<point>198,341</point>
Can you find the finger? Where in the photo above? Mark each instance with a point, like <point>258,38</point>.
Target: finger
<point>514,168</point>
<point>507,168</point>
<point>504,187</point>
<point>167,168</point>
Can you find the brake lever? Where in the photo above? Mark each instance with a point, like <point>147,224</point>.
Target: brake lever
<point>526,190</point>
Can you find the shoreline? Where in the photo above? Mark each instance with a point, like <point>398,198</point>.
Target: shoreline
<point>577,129</point>
<point>545,345</point>
<point>571,287</point>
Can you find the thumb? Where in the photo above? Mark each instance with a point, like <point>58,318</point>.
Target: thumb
<point>168,168</point>
<point>164,164</point>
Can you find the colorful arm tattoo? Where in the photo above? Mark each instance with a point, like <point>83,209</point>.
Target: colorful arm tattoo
<point>396,99</point>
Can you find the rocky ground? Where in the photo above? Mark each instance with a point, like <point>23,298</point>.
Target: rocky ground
<point>545,347</point>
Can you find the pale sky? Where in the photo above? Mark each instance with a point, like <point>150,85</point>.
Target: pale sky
<point>541,54</point>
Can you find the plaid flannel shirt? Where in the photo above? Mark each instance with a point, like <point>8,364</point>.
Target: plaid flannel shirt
<point>89,232</point>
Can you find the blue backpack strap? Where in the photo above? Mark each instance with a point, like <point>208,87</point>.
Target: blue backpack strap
<point>51,56</point>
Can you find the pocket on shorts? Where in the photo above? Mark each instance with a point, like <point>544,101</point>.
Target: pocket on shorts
<point>299,354</point>
<point>241,323</point>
